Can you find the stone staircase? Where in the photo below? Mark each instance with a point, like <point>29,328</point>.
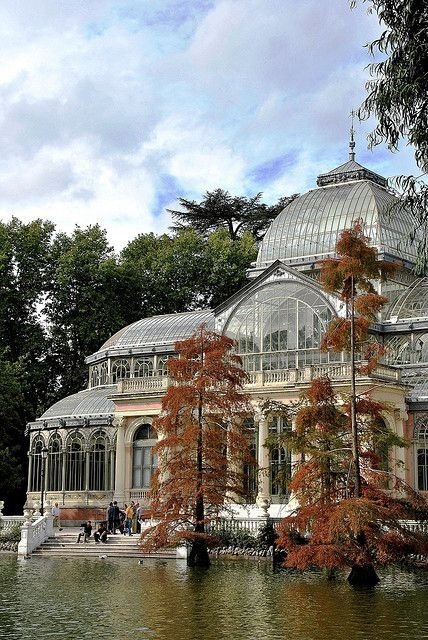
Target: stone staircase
<point>117,546</point>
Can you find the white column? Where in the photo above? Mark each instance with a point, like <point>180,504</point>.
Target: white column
<point>398,454</point>
<point>119,488</point>
<point>263,460</point>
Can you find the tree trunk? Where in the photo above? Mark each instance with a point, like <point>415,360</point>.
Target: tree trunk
<point>363,575</point>
<point>198,556</point>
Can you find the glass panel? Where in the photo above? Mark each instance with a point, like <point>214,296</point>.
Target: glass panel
<point>280,326</point>
<point>75,473</point>
<point>54,466</point>
<point>120,370</point>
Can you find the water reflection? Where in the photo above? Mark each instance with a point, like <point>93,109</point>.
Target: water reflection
<point>120,599</point>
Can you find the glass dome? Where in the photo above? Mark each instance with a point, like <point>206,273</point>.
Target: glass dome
<point>91,402</point>
<point>307,229</point>
<point>156,330</point>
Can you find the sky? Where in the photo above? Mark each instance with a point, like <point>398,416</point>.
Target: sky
<point>110,110</point>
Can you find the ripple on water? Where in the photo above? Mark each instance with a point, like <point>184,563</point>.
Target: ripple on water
<point>120,599</point>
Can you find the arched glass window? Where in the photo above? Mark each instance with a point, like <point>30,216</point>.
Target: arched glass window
<point>162,366</point>
<point>75,464</point>
<point>143,368</point>
<point>103,373</point>
<point>54,465</point>
<point>421,442</point>
<point>280,460</point>
<point>120,370</point>
<point>95,376</point>
<point>99,471</point>
<point>144,461</point>
<point>36,464</point>
<point>281,327</point>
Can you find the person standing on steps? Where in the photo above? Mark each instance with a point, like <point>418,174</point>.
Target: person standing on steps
<point>111,518</point>
<point>56,512</point>
<point>116,517</point>
<point>129,514</point>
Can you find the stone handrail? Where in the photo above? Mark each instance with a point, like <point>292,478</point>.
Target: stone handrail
<point>34,533</point>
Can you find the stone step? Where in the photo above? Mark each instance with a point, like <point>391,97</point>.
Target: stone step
<point>65,545</point>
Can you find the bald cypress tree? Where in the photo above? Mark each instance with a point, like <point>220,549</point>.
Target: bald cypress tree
<point>203,444</point>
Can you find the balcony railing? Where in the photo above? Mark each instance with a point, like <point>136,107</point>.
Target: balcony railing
<point>337,372</point>
<point>279,377</point>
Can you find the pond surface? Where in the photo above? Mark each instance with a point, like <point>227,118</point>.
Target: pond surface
<point>119,599</point>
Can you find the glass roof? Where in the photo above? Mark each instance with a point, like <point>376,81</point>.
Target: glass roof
<point>413,303</point>
<point>160,330</point>
<point>307,229</point>
<point>418,379</point>
<point>91,402</point>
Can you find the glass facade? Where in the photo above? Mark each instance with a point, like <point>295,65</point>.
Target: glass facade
<point>280,327</point>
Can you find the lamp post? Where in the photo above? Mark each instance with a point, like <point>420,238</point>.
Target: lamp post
<point>44,454</point>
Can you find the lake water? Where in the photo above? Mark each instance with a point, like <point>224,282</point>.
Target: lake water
<point>119,599</point>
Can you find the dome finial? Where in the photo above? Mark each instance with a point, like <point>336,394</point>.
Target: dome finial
<point>351,141</point>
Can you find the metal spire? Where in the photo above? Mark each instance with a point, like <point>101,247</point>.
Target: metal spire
<point>351,141</point>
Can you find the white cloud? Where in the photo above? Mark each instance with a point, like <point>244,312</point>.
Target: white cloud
<point>110,109</point>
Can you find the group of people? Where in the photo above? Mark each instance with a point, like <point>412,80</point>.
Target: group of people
<point>127,520</point>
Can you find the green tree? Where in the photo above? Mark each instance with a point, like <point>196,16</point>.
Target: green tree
<point>226,262</point>
<point>13,414</point>
<point>166,271</point>
<point>85,304</point>
<point>24,276</point>
<point>236,214</point>
<point>397,98</point>
<point>185,271</point>
<point>203,443</point>
<point>24,370</point>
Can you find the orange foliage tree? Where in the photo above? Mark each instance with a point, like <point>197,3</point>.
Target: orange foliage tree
<point>345,517</point>
<point>203,444</point>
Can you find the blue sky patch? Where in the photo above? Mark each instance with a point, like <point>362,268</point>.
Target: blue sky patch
<point>272,169</point>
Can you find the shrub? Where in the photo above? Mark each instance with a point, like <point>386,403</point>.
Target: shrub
<point>12,534</point>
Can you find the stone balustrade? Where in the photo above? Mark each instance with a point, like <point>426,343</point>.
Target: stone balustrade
<point>140,495</point>
<point>141,385</point>
<point>336,372</point>
<point>280,377</point>
<point>416,525</point>
<point>35,532</point>
<point>8,522</point>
